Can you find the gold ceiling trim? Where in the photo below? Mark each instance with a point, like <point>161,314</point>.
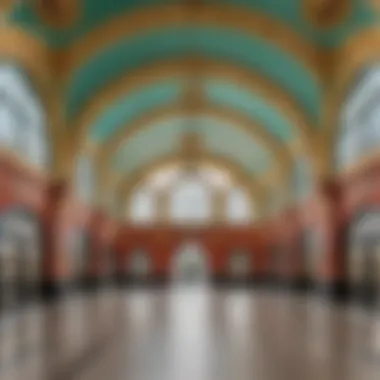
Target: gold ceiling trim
<point>146,19</point>
<point>32,55</point>
<point>283,156</point>
<point>327,14</point>
<point>177,70</point>
<point>59,14</point>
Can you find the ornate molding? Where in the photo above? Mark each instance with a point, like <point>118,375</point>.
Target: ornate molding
<point>178,69</point>
<point>6,6</point>
<point>324,14</point>
<point>152,18</point>
<point>283,155</point>
<point>58,13</point>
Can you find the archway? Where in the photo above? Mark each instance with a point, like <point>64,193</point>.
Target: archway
<point>358,134</point>
<point>312,250</point>
<point>240,265</point>
<point>139,265</point>
<point>20,257</point>
<point>80,260</point>
<point>190,263</point>
<point>364,256</point>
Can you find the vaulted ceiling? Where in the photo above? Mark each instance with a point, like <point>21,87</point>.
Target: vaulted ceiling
<point>125,69</point>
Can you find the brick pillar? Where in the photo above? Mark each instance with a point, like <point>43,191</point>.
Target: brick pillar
<point>289,264</point>
<point>56,271</point>
<point>297,252</point>
<point>333,271</point>
<point>100,260</point>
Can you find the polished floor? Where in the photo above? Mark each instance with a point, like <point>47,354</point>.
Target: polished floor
<point>190,333</point>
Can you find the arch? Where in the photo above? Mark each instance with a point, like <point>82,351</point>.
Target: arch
<point>177,69</point>
<point>20,254</point>
<point>23,119</point>
<point>189,262</point>
<point>363,258</point>
<point>124,186</point>
<point>358,134</point>
<point>33,56</point>
<point>362,50</point>
<point>240,264</point>
<point>231,17</point>
<point>140,264</point>
<point>190,201</point>
<point>231,116</point>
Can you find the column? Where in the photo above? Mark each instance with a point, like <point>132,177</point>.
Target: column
<point>101,266</point>
<point>333,268</point>
<point>56,273</point>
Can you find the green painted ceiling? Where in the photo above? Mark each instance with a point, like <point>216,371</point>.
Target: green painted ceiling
<point>289,12</point>
<point>134,105</point>
<point>252,53</point>
<point>174,43</point>
<point>229,94</point>
<point>219,138</point>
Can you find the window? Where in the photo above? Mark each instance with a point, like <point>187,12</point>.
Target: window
<point>142,206</point>
<point>191,200</point>
<point>22,123</point>
<point>239,208</point>
<point>360,124</point>
<point>190,197</point>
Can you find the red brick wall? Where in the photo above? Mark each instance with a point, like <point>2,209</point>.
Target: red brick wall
<point>163,242</point>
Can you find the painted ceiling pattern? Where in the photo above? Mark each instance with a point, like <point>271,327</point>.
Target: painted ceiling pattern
<point>254,59</point>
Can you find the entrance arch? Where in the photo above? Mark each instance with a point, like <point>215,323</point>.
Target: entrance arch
<point>20,256</point>
<point>190,264</point>
<point>140,265</point>
<point>240,265</point>
<point>364,256</point>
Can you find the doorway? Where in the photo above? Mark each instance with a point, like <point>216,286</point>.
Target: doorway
<point>20,258</point>
<point>364,258</point>
<point>240,266</point>
<point>190,264</point>
<point>139,265</point>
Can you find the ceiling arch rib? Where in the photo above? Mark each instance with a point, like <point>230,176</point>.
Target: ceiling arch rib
<point>225,45</point>
<point>256,132</point>
<point>217,137</point>
<point>129,24</point>
<point>176,70</point>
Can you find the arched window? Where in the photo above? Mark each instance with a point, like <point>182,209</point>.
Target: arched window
<point>239,207</point>
<point>142,206</point>
<point>302,181</point>
<point>359,132</point>
<point>191,200</point>
<point>22,120</point>
<point>85,178</point>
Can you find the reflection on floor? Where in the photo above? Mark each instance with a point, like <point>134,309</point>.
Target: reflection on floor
<point>190,334</point>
